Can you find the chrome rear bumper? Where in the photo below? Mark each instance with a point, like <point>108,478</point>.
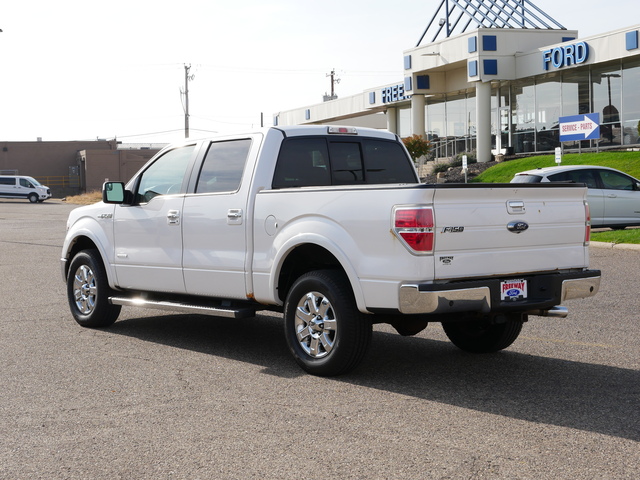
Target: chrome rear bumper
<point>545,292</point>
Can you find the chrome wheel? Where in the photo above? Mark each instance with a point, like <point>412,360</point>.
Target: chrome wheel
<point>88,291</point>
<point>316,326</point>
<point>84,290</point>
<point>325,332</point>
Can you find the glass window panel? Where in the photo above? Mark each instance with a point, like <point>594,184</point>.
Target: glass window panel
<point>437,127</point>
<point>346,163</point>
<point>523,115</point>
<point>576,88</point>
<point>166,175</point>
<point>607,98</point>
<point>223,166</point>
<point>302,162</point>
<point>631,102</point>
<point>549,110</point>
<point>404,122</point>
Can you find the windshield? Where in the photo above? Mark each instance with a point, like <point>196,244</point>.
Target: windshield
<point>34,181</point>
<point>526,179</point>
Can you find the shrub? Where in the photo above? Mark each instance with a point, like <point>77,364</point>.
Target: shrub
<point>417,146</point>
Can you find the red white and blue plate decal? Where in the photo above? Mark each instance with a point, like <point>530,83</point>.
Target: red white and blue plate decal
<point>513,289</point>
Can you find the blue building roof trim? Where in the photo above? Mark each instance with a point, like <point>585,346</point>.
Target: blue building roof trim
<point>455,16</point>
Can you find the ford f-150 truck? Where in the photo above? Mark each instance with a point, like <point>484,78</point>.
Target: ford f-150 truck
<point>332,227</point>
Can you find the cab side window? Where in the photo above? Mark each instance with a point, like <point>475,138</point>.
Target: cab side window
<point>25,183</point>
<point>166,175</point>
<point>615,181</point>
<point>223,166</point>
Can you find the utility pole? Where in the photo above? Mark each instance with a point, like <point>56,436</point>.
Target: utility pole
<point>185,92</point>
<point>334,80</point>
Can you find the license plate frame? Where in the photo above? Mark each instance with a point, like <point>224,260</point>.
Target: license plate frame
<point>513,289</point>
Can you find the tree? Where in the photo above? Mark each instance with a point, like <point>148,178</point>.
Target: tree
<point>417,146</point>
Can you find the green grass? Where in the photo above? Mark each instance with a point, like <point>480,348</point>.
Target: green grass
<point>628,162</point>
<point>629,235</point>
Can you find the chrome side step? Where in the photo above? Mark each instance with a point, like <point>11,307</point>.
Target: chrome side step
<point>201,309</point>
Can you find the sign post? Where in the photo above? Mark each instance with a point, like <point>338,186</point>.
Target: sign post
<point>464,167</point>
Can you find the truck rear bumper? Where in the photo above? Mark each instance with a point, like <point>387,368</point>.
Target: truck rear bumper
<point>545,291</point>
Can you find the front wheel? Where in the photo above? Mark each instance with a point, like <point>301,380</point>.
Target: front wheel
<point>33,198</point>
<point>325,332</point>
<point>483,336</point>
<point>88,291</point>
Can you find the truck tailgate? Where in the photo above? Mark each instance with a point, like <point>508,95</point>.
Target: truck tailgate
<point>503,229</point>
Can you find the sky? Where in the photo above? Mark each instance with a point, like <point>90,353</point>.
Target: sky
<point>82,70</point>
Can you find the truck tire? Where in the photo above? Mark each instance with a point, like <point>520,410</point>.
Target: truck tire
<point>33,198</point>
<point>325,332</point>
<point>88,291</point>
<point>482,336</point>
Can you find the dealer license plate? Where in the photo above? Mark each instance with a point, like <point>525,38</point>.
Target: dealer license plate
<point>513,289</point>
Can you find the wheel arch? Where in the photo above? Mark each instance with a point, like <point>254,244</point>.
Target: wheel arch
<point>82,241</point>
<point>313,254</point>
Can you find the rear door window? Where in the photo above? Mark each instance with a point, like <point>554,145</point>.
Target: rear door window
<point>223,166</point>
<point>588,177</point>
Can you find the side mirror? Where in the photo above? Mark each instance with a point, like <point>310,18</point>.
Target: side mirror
<point>113,192</point>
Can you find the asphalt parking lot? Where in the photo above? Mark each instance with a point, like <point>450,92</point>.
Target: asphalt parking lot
<point>163,396</point>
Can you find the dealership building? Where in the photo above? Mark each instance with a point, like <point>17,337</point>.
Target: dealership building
<point>501,76</point>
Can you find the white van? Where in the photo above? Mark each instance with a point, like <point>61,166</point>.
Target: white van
<point>18,186</point>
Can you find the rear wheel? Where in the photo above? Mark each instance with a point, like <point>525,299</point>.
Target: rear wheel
<point>88,291</point>
<point>325,332</point>
<point>484,336</point>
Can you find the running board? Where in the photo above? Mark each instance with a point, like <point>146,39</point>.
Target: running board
<point>204,309</point>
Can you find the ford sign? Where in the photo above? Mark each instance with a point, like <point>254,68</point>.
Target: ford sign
<point>517,226</point>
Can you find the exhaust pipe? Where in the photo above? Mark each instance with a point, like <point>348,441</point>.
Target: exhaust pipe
<point>556,312</point>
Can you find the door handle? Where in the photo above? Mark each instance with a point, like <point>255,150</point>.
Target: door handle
<point>173,217</point>
<point>234,216</point>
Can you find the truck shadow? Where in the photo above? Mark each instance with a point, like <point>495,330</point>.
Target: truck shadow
<point>590,397</point>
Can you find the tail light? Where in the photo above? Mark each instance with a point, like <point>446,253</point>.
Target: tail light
<point>415,228</point>
<point>587,224</point>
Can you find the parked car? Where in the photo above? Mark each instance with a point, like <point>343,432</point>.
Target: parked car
<point>20,186</point>
<point>613,196</point>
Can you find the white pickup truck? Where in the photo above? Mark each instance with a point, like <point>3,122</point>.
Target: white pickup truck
<point>332,227</point>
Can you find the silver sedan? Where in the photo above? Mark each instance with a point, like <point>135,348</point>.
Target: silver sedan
<point>613,196</point>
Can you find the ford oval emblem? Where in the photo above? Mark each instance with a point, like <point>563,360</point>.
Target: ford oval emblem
<point>517,226</point>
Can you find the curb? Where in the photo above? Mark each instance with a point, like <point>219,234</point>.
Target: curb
<point>618,246</point>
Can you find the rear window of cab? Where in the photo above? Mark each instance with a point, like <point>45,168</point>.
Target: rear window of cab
<point>323,161</point>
